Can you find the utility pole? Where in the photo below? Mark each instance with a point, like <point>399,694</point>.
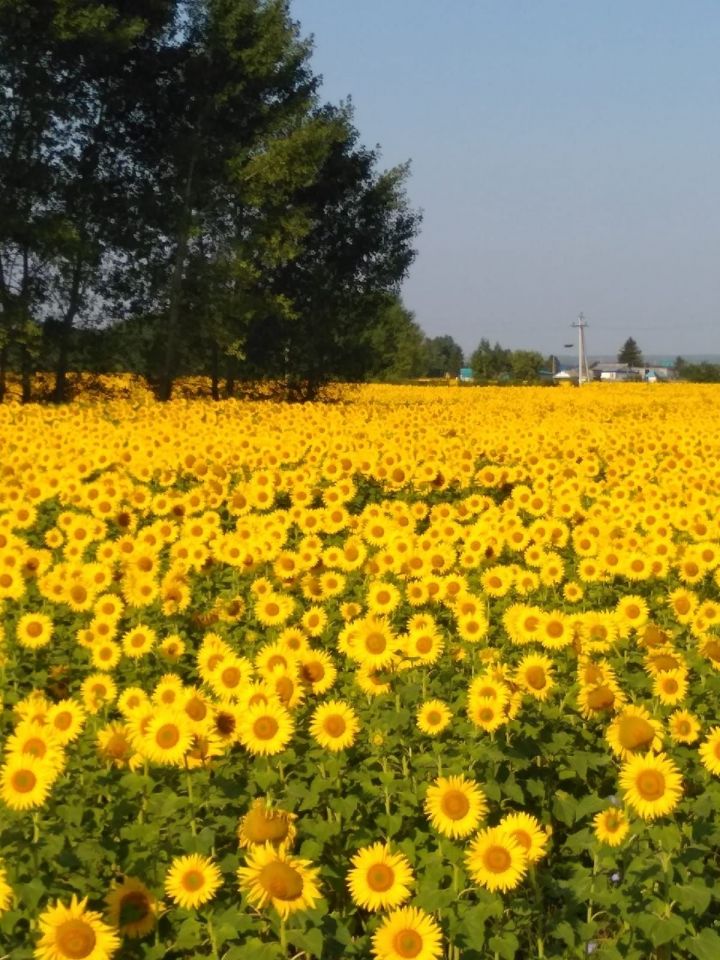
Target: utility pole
<point>583,373</point>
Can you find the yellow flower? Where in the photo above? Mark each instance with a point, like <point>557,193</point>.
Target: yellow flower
<point>633,730</point>
<point>34,630</point>
<point>74,933</point>
<point>274,877</point>
<point>407,934</point>
<point>670,686</point>
<point>433,717</point>
<point>710,751</point>
<point>192,880</point>
<point>535,675</point>
<point>265,729</point>
<point>455,806</point>
<point>334,725</point>
<point>684,727</point>
<point>25,782</point>
<point>263,824</point>
<point>528,832</point>
<point>652,785</point>
<point>496,860</point>
<point>379,879</point>
<point>167,737</point>
<point>6,891</point>
<point>611,826</point>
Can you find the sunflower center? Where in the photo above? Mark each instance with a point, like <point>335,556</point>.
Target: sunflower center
<point>434,718</point>
<point>193,880</point>
<point>523,838</point>
<point>277,660</point>
<point>612,822</point>
<point>35,747</point>
<point>265,728</point>
<point>424,644</point>
<point>601,698</point>
<point>632,611</point>
<point>281,881</point>
<point>260,826</point>
<point>24,781</point>
<point>497,859</point>
<point>63,720</point>
<point>34,629</point>
<point>455,804</point>
<point>285,689</point>
<point>167,736</point>
<point>407,943</point>
<point>650,784</point>
<point>225,723</point>
<point>312,672</point>
<point>230,676</point>
<point>196,709</point>
<point>380,877</point>
<point>375,642</point>
<point>555,629</point>
<point>535,677</point>
<point>634,732</point>
<point>272,609</point>
<point>76,939</point>
<point>335,726</point>
<point>134,907</point>
<point>670,685</point>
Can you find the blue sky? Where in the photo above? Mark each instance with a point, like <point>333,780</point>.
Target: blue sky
<point>565,153</point>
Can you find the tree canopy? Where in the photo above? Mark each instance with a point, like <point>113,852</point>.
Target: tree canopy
<point>168,169</point>
<point>630,354</point>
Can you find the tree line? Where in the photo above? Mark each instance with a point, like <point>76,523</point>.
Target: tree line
<point>176,198</point>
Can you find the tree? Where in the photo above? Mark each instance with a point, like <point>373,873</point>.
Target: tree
<point>398,345</point>
<point>444,356</point>
<point>489,363</point>
<point>526,364</point>
<point>630,354</point>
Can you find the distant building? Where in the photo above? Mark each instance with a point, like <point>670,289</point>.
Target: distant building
<point>605,370</point>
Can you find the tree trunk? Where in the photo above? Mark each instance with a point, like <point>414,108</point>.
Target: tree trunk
<point>3,373</point>
<point>25,376</point>
<point>215,370</point>
<point>230,378</point>
<point>167,375</point>
<point>61,370</point>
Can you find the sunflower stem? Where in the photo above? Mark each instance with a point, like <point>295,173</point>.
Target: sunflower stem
<point>212,938</point>
<point>191,800</point>
<point>283,937</point>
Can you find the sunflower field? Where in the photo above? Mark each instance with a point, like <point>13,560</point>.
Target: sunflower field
<point>423,673</point>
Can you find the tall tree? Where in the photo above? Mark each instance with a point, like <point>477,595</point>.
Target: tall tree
<point>490,362</point>
<point>630,354</point>
<point>445,356</point>
<point>399,350</point>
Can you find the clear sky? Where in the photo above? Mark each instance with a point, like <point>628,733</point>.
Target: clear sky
<point>565,153</point>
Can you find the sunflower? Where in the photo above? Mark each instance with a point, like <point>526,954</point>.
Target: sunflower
<point>379,879</point>
<point>25,782</point>
<point>263,824</point>
<point>534,674</point>
<point>192,880</point>
<point>652,785</point>
<point>138,641</point>
<point>97,691</point>
<point>496,860</point>
<point>115,745</point>
<point>74,933</point>
<point>317,670</point>
<point>597,699</point>
<point>611,826</point>
<point>433,717</point>
<point>408,934</point>
<point>424,645</point>
<point>273,876</point>
<point>710,751</point>
<point>670,686</point>
<point>34,630</point>
<point>131,908</point>
<point>455,806</point>
<point>334,725</point>
<point>684,727</point>
<point>67,719</point>
<point>487,713</point>
<point>632,612</point>
<point>6,891</point>
<point>167,737</point>
<point>633,730</point>
<point>376,643</point>
<point>528,832</point>
<point>265,729</point>
<point>36,740</point>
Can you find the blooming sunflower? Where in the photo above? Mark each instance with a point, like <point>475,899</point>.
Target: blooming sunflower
<point>67,719</point>
<point>407,934</point>
<point>25,782</point>
<point>528,832</point>
<point>131,908</point>
<point>74,933</point>
<point>192,880</point>
<point>265,729</point>
<point>334,725</point>
<point>652,785</point>
<point>487,713</point>
<point>684,727</point>
<point>273,876</point>
<point>670,686</point>
<point>433,716</point>
<point>534,674</point>
<point>167,737</point>
<point>633,730</point>
<point>379,879</point>
<point>611,826</point>
<point>263,824</point>
<point>496,860</point>
<point>455,806</point>
<point>710,751</point>
<point>34,630</point>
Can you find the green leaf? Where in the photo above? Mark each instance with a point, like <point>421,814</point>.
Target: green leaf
<point>505,945</point>
<point>666,929</point>
<point>563,931</point>
<point>694,896</point>
<point>704,946</point>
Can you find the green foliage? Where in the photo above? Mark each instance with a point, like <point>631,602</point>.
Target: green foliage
<point>630,354</point>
